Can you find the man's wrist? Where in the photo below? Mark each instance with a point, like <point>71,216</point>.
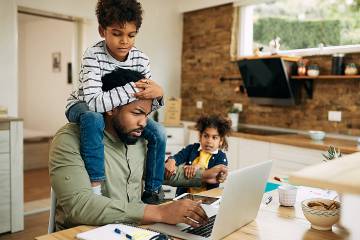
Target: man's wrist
<point>153,214</point>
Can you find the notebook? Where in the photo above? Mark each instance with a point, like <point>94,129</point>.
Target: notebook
<point>108,232</point>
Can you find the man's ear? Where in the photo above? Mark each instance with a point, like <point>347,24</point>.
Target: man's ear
<point>101,31</point>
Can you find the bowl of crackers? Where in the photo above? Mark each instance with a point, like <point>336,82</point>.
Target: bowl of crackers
<point>321,213</point>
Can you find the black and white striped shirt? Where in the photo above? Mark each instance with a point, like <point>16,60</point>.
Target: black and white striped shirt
<point>97,62</point>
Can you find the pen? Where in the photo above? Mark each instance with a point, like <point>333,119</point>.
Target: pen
<point>281,179</point>
<point>118,231</point>
<point>268,200</point>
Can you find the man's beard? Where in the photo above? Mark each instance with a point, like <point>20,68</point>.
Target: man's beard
<point>126,137</point>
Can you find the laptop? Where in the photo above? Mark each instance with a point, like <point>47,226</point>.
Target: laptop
<point>240,202</point>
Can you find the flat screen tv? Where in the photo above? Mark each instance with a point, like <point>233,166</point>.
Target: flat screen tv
<point>267,81</point>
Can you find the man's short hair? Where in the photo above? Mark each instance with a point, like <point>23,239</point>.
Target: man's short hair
<point>119,77</point>
<point>109,12</point>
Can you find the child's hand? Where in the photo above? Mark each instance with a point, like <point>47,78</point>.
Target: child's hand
<point>221,177</point>
<point>170,168</point>
<point>151,89</point>
<point>190,171</point>
<point>215,174</point>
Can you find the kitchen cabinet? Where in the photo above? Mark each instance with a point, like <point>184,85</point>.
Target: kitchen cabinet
<point>243,152</point>
<point>174,143</point>
<point>251,152</point>
<point>11,175</point>
<point>193,136</point>
<point>175,139</point>
<point>232,153</point>
<point>287,159</point>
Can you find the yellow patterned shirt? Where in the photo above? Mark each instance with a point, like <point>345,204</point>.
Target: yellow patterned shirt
<point>202,161</point>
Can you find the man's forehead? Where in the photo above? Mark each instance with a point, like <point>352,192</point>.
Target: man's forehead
<point>143,104</point>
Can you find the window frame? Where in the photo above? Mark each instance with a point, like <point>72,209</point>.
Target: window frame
<point>245,35</point>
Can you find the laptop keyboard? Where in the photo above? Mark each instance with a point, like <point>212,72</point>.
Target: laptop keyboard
<point>204,230</point>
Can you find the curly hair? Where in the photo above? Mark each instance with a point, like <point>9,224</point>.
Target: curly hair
<point>221,124</point>
<point>119,77</point>
<point>109,12</point>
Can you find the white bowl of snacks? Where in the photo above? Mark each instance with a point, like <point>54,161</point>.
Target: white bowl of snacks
<point>321,213</point>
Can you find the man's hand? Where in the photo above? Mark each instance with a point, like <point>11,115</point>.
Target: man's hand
<point>183,211</point>
<point>214,175</point>
<point>170,168</point>
<point>190,171</point>
<point>151,89</point>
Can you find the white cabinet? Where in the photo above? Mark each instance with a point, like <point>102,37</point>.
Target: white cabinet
<point>175,140</point>
<point>4,193</point>
<point>232,153</point>
<point>251,152</point>
<point>243,152</point>
<point>193,136</point>
<point>11,176</point>
<point>287,159</point>
<point>174,143</point>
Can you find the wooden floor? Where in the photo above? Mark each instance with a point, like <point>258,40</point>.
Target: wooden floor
<point>36,184</point>
<point>35,225</point>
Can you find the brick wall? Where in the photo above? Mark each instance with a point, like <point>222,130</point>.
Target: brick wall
<point>205,58</point>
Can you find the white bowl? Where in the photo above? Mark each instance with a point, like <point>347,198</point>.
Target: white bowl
<point>317,135</point>
<point>321,219</point>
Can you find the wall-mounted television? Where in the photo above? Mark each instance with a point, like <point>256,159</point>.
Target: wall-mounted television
<point>267,81</point>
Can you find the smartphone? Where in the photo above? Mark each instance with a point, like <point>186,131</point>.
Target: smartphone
<point>204,199</point>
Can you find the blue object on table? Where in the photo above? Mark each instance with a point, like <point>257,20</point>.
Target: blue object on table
<point>118,231</point>
<point>271,186</point>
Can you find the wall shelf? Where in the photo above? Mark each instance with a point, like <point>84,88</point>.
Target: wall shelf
<point>327,77</point>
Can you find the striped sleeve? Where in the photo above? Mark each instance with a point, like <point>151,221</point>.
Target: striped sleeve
<point>146,70</point>
<point>97,100</point>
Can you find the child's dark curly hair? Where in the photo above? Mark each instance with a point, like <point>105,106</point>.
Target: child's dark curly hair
<point>223,126</point>
<point>109,12</point>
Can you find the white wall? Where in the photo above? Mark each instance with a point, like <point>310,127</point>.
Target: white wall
<point>160,38</point>
<point>42,91</point>
<point>8,56</point>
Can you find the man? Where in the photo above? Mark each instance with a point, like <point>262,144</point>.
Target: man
<point>124,167</point>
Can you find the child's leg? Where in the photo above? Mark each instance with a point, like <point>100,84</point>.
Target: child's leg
<point>91,140</point>
<point>155,134</point>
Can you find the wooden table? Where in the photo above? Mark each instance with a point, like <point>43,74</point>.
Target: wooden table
<point>272,223</point>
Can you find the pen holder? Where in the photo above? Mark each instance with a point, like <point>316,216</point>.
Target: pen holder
<point>287,195</point>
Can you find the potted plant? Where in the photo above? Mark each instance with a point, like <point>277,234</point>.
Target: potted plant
<point>331,154</point>
<point>233,114</point>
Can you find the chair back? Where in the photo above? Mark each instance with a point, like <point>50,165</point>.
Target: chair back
<point>51,226</point>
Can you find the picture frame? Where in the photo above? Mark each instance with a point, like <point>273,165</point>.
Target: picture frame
<point>56,62</point>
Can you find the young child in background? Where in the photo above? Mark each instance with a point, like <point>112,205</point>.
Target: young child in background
<point>213,130</point>
<point>119,22</point>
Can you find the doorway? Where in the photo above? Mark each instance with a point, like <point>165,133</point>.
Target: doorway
<point>48,46</point>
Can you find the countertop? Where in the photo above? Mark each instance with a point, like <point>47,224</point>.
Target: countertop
<point>301,140</point>
<point>9,119</point>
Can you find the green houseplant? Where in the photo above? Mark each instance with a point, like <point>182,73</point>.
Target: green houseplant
<point>331,154</point>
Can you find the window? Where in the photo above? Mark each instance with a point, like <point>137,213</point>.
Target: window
<point>305,27</point>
